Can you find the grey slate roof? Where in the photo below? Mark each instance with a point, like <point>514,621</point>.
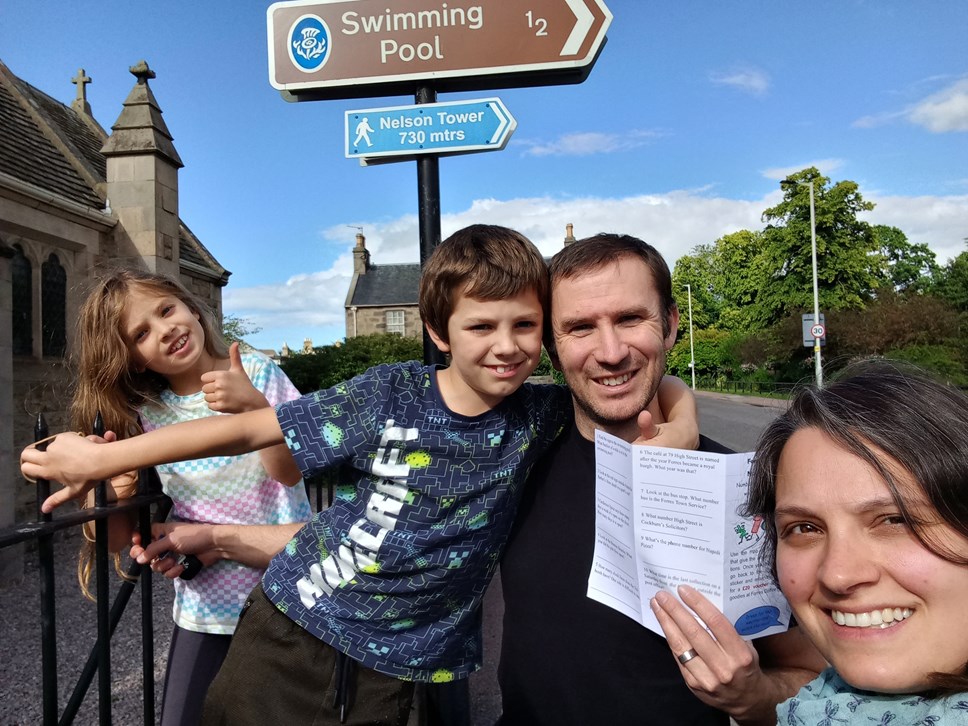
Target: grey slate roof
<point>27,153</point>
<point>384,285</point>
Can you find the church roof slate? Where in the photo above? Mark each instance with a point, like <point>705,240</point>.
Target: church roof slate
<point>29,118</point>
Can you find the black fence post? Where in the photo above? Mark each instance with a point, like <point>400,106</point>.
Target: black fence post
<point>43,530</point>
<point>45,554</point>
<point>103,591</point>
<point>147,612</point>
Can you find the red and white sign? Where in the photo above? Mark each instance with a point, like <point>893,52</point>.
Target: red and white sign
<point>818,331</point>
<point>319,47</point>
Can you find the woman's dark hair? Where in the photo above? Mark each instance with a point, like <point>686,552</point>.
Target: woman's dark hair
<point>876,407</point>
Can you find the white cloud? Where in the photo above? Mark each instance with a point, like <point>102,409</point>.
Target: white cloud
<point>748,79</point>
<point>314,299</point>
<point>944,111</point>
<point>587,143</point>
<point>875,120</point>
<point>825,166</point>
<point>941,112</point>
<point>675,222</point>
<point>938,222</point>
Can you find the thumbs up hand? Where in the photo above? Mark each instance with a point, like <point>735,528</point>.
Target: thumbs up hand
<point>231,391</point>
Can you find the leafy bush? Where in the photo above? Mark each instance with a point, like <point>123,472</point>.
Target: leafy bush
<point>945,361</point>
<point>715,354</point>
<point>331,364</point>
<point>545,368</point>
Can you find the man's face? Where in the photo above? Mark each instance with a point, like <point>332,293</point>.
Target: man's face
<point>608,332</point>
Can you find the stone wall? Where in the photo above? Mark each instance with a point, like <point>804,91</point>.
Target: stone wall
<point>373,320</point>
<point>38,387</point>
<point>11,558</point>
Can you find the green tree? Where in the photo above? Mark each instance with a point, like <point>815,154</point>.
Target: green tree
<point>952,284</point>
<point>698,271</point>
<point>908,268</point>
<point>881,293</point>
<point>715,355</point>
<point>848,261</point>
<point>741,273</point>
<point>891,322</point>
<point>723,281</point>
<point>234,328</point>
<point>331,364</point>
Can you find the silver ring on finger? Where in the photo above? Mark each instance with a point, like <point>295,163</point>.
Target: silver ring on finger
<point>687,656</point>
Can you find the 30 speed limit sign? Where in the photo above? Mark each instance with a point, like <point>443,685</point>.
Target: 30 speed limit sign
<point>817,331</point>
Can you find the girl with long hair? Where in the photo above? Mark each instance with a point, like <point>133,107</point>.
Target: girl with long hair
<point>148,355</point>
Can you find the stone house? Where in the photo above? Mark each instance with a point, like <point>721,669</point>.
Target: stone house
<point>382,298</point>
<point>75,200</point>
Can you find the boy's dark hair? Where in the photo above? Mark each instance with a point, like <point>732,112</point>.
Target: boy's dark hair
<point>484,262</point>
<point>593,253</point>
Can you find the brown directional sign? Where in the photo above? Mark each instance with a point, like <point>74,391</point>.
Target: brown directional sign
<point>356,48</point>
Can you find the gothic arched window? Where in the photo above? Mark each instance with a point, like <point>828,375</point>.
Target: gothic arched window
<point>22,289</point>
<point>53,306</point>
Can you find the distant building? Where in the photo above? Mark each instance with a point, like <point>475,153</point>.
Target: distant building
<point>383,298</point>
<point>75,200</point>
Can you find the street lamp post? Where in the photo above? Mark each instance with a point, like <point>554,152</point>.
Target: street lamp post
<point>692,348</point>
<point>818,366</point>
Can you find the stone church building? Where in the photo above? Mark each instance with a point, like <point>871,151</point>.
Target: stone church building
<point>75,200</point>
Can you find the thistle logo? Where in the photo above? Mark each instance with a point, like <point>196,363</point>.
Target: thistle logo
<point>309,43</point>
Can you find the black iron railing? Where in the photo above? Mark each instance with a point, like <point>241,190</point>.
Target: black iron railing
<point>151,506</point>
<point>754,388</point>
<point>43,530</point>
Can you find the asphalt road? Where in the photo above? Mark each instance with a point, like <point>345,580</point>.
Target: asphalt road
<point>732,420</point>
<point>736,421</point>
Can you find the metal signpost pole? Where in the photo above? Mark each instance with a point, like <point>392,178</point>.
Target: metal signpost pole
<point>428,204</point>
<point>330,49</point>
<point>818,366</point>
<point>692,348</point>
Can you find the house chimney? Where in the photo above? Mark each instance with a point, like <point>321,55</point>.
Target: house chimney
<point>569,234</point>
<point>142,179</point>
<point>361,255</point>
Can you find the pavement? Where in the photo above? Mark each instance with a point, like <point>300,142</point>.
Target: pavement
<point>764,401</point>
<point>21,678</point>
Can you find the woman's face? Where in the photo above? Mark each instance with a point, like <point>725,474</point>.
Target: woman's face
<point>880,607</point>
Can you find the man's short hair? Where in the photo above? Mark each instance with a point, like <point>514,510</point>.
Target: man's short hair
<point>593,253</point>
<point>482,261</point>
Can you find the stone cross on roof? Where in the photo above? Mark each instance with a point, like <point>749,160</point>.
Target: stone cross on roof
<point>142,72</point>
<point>80,103</point>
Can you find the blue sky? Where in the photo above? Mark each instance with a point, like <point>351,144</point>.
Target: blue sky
<point>692,114</point>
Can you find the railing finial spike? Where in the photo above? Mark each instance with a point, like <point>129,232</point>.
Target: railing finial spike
<point>41,431</point>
